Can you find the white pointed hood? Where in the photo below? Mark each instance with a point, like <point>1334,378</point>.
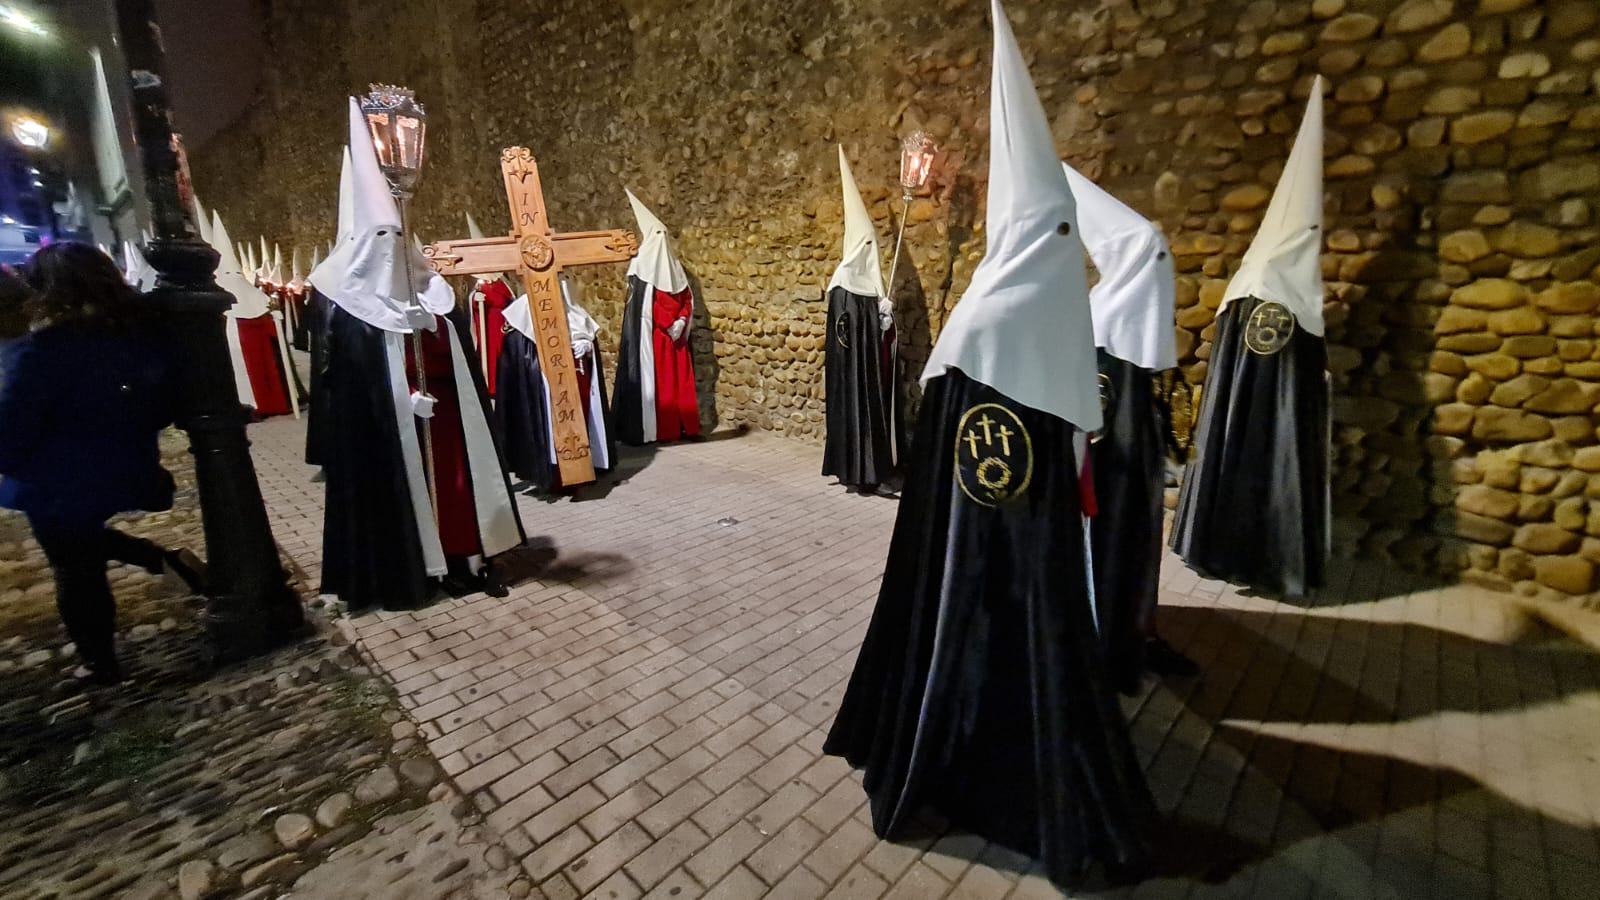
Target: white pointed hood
<point>296,279</point>
<point>1023,327</point>
<point>1284,262</point>
<point>375,273</point>
<point>137,271</point>
<point>473,231</point>
<point>861,269</point>
<point>278,275</point>
<point>248,301</point>
<point>656,265</point>
<point>1133,303</point>
<point>202,221</point>
<point>263,263</point>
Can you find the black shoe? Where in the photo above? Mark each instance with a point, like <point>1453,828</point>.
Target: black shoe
<point>492,585</point>
<point>99,672</point>
<point>185,568</point>
<point>1162,659</point>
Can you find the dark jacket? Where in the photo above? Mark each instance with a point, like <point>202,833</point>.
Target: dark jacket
<point>81,414</point>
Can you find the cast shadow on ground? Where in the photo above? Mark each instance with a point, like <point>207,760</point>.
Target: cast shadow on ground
<point>707,369</point>
<point>541,560</point>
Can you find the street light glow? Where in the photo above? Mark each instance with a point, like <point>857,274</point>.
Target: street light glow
<point>21,21</point>
<point>30,132</point>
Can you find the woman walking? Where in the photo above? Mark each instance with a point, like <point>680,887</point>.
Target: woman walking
<point>86,394</point>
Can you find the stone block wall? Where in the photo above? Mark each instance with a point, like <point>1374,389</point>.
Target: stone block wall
<point>1462,181</point>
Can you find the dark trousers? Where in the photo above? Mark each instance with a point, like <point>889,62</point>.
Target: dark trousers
<point>78,555</point>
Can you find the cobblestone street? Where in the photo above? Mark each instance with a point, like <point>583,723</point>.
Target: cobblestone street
<point>643,717</point>
<point>296,775</point>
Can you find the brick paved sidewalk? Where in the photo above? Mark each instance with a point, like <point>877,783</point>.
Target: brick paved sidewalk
<point>643,717</point>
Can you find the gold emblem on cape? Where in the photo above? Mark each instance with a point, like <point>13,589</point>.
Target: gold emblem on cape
<point>1269,329</point>
<point>994,455</point>
<point>537,254</point>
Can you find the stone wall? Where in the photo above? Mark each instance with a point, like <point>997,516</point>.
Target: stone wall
<point>1462,177</point>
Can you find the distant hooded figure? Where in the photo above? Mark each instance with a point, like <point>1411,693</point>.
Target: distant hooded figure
<point>981,689</point>
<point>862,447</point>
<point>655,398</point>
<point>1133,307</point>
<point>389,437</point>
<point>253,340</point>
<point>491,294</point>
<point>523,407</point>
<point>1254,505</point>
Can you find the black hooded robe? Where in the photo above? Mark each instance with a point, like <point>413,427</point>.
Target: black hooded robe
<point>523,418</point>
<point>628,400</point>
<point>1254,505</point>
<point>981,688</point>
<point>1129,483</point>
<point>860,448</point>
<point>319,311</point>
<point>371,551</point>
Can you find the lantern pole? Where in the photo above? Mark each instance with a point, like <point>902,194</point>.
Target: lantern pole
<point>385,107</point>
<point>917,153</point>
<point>249,606</point>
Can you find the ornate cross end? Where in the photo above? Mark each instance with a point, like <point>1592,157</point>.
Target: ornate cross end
<point>624,243</point>
<point>519,161</point>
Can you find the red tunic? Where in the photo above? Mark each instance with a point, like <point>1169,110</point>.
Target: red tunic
<point>677,408</point>
<point>496,297</point>
<point>458,514</point>
<point>263,363</point>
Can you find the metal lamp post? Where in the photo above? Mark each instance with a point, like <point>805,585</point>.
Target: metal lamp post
<point>249,605</point>
<point>399,128</point>
<point>917,153</point>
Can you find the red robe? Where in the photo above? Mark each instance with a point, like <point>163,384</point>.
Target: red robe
<point>263,363</point>
<point>496,297</point>
<point>677,407</point>
<point>458,514</point>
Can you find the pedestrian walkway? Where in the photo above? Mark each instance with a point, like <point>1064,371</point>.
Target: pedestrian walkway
<point>644,715</point>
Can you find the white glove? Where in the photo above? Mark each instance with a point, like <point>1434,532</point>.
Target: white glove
<point>677,329</point>
<point>422,405</point>
<point>581,347</point>
<point>885,315</point>
<point>420,319</point>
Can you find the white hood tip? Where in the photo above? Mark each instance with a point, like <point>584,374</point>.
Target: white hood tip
<point>248,300</point>
<point>374,272</point>
<point>1284,262</point>
<point>656,264</point>
<point>1134,303</point>
<point>1024,327</point>
<point>860,269</point>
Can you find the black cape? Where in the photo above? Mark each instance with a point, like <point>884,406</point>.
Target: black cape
<point>981,688</point>
<point>371,553</point>
<point>628,401</point>
<point>1129,483</point>
<point>1254,504</point>
<point>860,448</point>
<point>318,312</point>
<point>523,417</point>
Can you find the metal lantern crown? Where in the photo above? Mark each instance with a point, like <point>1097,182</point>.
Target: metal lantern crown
<point>917,153</point>
<point>398,124</point>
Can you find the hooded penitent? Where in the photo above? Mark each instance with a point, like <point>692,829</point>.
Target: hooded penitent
<point>202,221</point>
<point>655,398</point>
<point>294,300</point>
<point>523,407</point>
<point>258,369</point>
<point>1132,307</point>
<point>319,312</point>
<point>382,539</point>
<point>1254,506</point>
<point>491,294</point>
<point>980,689</point>
<point>863,433</point>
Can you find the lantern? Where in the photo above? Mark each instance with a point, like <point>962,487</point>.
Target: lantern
<point>917,153</point>
<point>398,125</point>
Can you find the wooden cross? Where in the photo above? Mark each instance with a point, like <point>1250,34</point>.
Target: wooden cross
<point>536,252</point>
